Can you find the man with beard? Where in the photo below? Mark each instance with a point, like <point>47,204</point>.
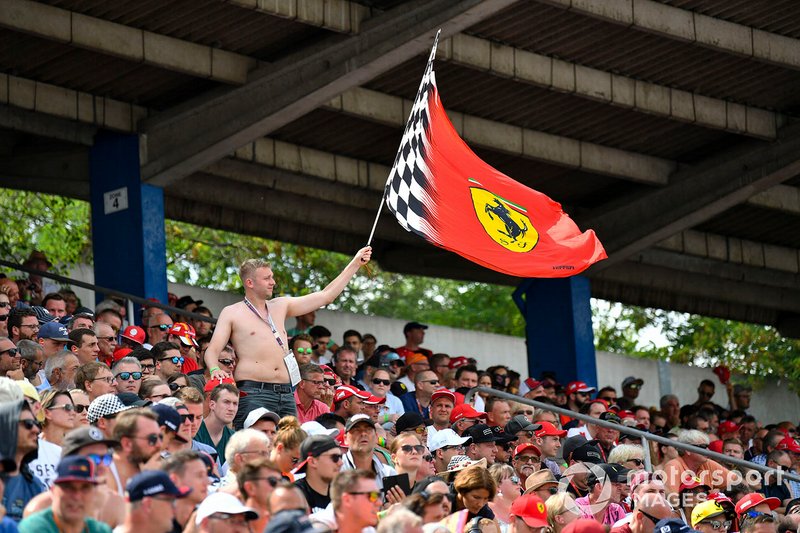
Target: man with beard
<point>187,469</point>
<point>32,360</point>
<point>578,393</point>
<point>139,439</point>
<point>10,359</point>
<point>527,460</point>
<point>22,324</point>
<point>61,369</point>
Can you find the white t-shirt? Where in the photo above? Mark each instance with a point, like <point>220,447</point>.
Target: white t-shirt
<point>44,467</point>
<point>408,383</point>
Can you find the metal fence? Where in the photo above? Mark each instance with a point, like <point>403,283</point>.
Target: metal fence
<point>644,436</point>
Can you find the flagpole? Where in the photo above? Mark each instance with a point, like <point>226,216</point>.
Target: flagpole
<point>377,216</point>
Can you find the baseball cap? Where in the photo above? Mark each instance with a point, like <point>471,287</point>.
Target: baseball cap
<point>348,391</point>
<point>728,426</point>
<point>409,420</point>
<point>28,390</point>
<point>153,483</point>
<point>168,417</point>
<point>391,357</point>
<point>413,325</point>
<point>358,419</point>
<point>573,443</point>
<point>456,362</point>
<point>185,333</point>
<point>788,444</point>
<point>630,380</point>
<point>183,301</point>
<point>443,393</point>
<point>314,446</point>
<point>44,316</point>
<point>588,453</point>
<point>692,483</point>
<point>465,410</point>
<point>445,437</point>
<point>549,430</point>
<point>791,505</point>
<point>212,384</point>
<point>375,400</point>
<point>54,331</point>
<point>753,499</point>
<point>257,414</point>
<point>223,502</point>
<point>416,358</point>
<point>130,399</point>
<point>290,521</point>
<point>673,525</point>
<point>614,472</point>
<point>520,423</point>
<point>525,447</point>
<point>481,433</point>
<point>312,427</point>
<point>134,333</point>
<point>539,479</point>
<point>120,352</point>
<point>578,386</point>
<point>83,436</point>
<point>530,508</point>
<point>76,468</point>
<point>706,509</point>
<point>716,446</point>
<point>105,405</point>
<point>457,464</point>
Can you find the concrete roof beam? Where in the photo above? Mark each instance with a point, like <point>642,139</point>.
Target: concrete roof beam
<point>122,41</point>
<point>336,15</point>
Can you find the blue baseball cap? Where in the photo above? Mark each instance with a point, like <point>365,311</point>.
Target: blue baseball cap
<point>153,483</point>
<point>673,525</point>
<point>54,331</point>
<point>76,468</point>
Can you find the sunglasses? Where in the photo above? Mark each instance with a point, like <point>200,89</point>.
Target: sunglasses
<point>431,381</point>
<point>175,360</point>
<point>151,439</point>
<point>637,462</point>
<point>335,457</point>
<point>330,382</point>
<point>125,376</point>
<point>175,387</point>
<point>11,352</point>
<point>514,479</point>
<point>376,381</point>
<point>30,423</point>
<point>419,430</point>
<point>408,448</point>
<point>190,418</point>
<point>718,524</point>
<point>3,305</point>
<point>3,318</point>
<point>98,459</point>
<point>272,480</point>
<point>107,339</point>
<point>79,408</point>
<point>226,362</point>
<point>67,407</point>
<point>427,458</point>
<point>302,351</point>
<point>162,327</point>
<point>373,495</point>
<point>528,459</point>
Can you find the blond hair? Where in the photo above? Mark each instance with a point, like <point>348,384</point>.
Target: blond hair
<point>248,268</point>
<point>289,433</point>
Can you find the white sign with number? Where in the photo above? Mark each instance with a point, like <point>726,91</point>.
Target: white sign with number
<point>116,200</point>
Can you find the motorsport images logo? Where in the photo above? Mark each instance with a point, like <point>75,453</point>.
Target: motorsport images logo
<point>504,221</point>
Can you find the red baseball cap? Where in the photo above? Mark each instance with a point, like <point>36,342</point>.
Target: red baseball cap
<point>185,333</point>
<point>456,362</point>
<point>530,508</point>
<point>465,410</point>
<point>121,352</point>
<point>716,446</point>
<point>134,333</point>
<point>692,483</point>
<point>728,426</point>
<point>788,444</point>
<point>347,391</point>
<point>753,499</point>
<point>443,393</point>
<point>374,400</point>
<point>549,430</point>
<point>212,384</point>
<point>578,386</point>
<point>522,448</point>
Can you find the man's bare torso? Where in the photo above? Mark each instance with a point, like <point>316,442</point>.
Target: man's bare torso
<point>260,358</point>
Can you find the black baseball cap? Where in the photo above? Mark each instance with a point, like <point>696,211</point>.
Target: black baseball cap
<point>413,325</point>
<point>153,483</point>
<point>314,446</point>
<point>615,473</point>
<point>169,418</point>
<point>520,423</point>
<point>83,436</point>
<point>482,433</point>
<point>409,421</point>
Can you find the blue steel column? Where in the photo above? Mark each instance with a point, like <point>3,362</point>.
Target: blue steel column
<point>558,328</point>
<point>129,245</point>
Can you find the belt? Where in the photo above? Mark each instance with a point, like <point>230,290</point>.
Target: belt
<point>282,388</point>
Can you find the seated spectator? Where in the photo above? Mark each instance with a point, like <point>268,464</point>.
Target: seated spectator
<point>709,471</point>
<point>223,508</point>
<point>475,488</point>
<point>508,490</point>
<point>152,498</point>
<point>602,507</point>
<point>59,419</point>
<point>561,511</point>
<point>96,379</point>
<point>23,486</point>
<point>256,480</point>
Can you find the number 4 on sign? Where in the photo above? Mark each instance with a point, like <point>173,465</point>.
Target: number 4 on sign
<point>116,200</point>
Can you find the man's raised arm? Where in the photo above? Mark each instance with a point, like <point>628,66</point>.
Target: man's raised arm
<point>311,302</point>
<point>220,338</point>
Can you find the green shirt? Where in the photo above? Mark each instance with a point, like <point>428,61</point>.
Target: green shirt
<point>43,522</point>
<point>205,438</point>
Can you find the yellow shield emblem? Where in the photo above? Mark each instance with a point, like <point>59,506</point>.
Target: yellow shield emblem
<point>504,221</point>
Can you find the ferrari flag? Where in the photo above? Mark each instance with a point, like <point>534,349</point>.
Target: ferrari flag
<point>440,190</point>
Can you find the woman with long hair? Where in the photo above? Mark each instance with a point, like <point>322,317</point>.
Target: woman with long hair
<point>407,452</point>
<point>59,419</point>
<point>508,490</point>
<point>286,444</point>
<point>561,511</point>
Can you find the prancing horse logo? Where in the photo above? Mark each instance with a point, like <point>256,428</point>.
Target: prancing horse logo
<point>505,222</point>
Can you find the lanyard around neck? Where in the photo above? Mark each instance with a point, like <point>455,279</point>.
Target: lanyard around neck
<point>268,321</point>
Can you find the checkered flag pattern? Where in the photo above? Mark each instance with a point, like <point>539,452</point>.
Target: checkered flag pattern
<point>406,189</point>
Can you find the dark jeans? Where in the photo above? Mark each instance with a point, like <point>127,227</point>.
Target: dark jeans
<point>277,402</point>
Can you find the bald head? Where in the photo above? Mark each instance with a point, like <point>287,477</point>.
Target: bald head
<point>649,509</point>
<point>286,497</point>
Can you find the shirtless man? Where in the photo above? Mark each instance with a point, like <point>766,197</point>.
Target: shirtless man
<point>261,371</point>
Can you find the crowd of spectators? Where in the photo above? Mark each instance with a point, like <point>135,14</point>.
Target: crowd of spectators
<point>113,422</point>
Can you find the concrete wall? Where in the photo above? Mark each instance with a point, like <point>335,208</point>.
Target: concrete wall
<point>772,403</point>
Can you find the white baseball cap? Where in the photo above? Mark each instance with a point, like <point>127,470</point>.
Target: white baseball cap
<point>312,427</point>
<point>257,414</point>
<point>445,437</point>
<point>223,502</point>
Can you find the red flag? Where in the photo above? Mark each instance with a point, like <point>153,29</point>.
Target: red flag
<point>439,189</point>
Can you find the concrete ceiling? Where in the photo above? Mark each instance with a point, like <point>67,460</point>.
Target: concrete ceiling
<point>668,126</point>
